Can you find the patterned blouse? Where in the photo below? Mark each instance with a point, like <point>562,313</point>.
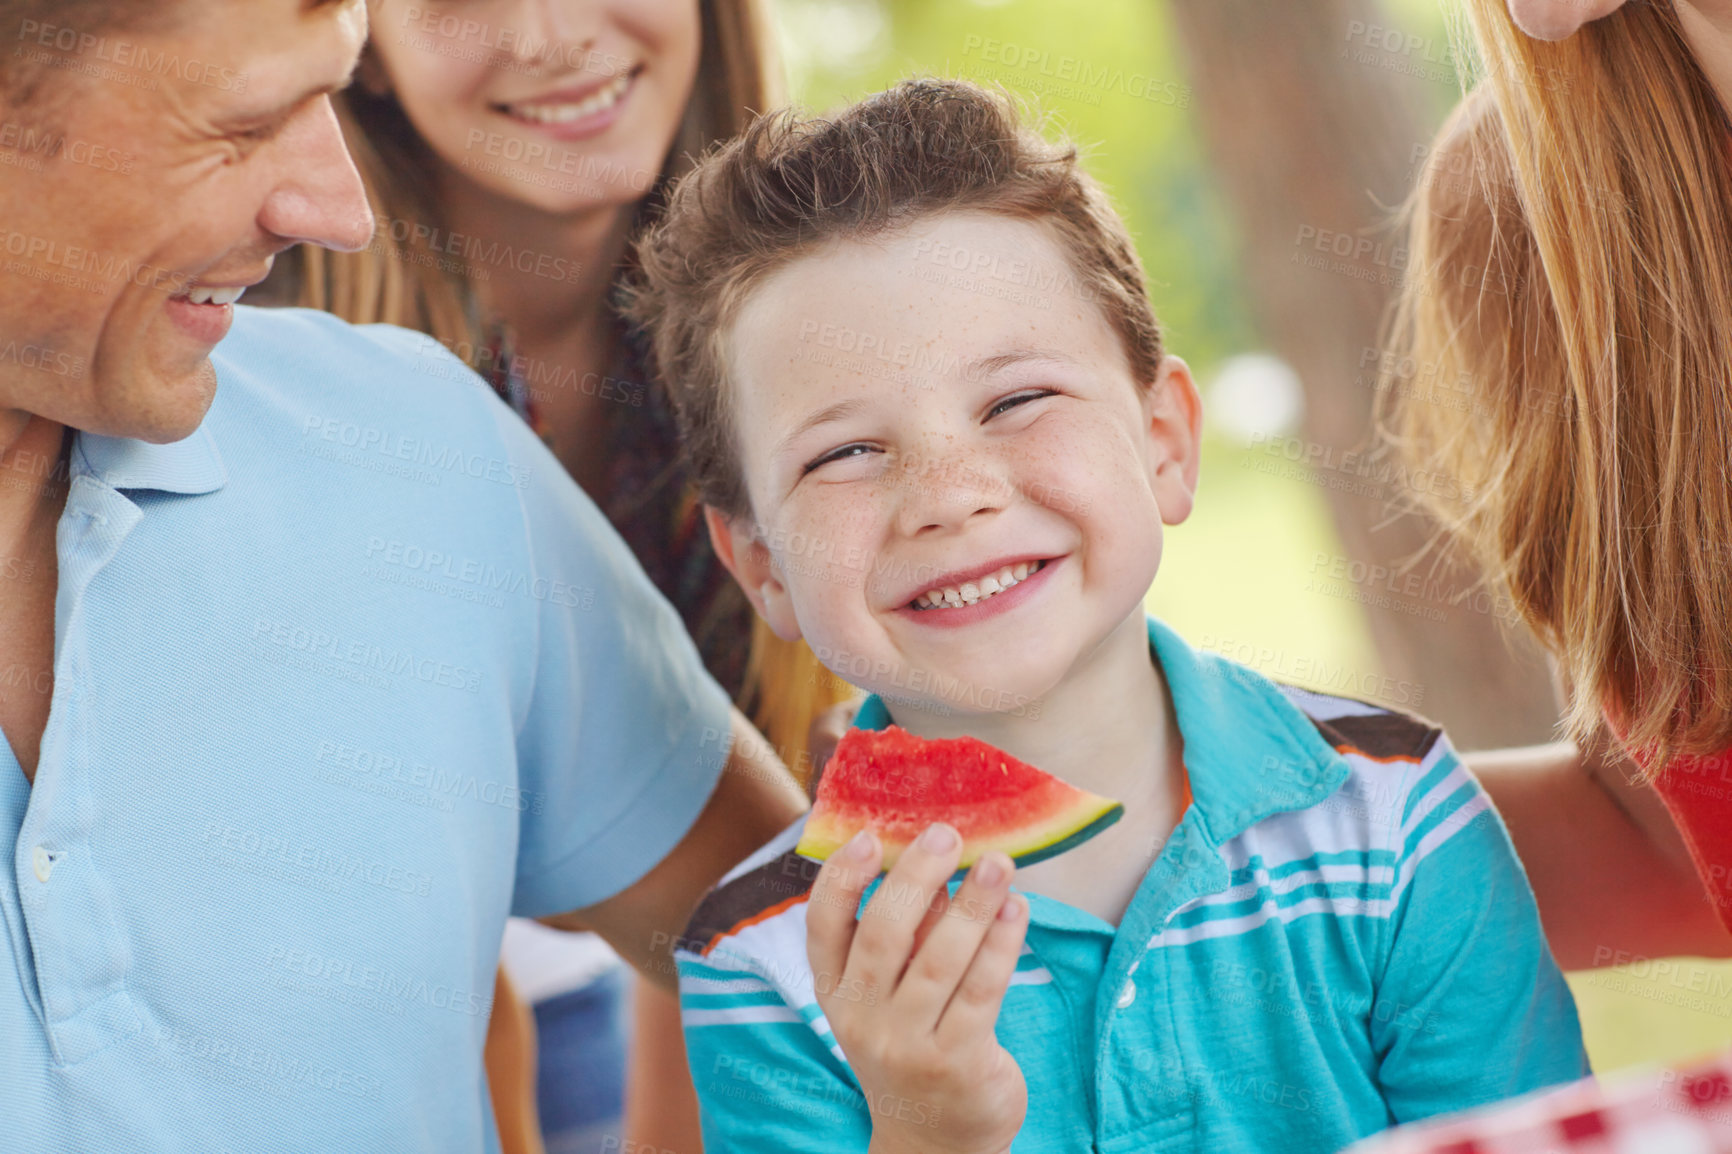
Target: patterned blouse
<point>647,497</point>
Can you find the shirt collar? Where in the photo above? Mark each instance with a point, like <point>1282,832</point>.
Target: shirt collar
<point>1250,752</point>
<point>189,466</point>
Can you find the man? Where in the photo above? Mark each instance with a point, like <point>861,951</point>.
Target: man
<point>316,665</point>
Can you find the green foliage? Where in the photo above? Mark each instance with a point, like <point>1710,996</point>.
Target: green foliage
<point>1105,75</point>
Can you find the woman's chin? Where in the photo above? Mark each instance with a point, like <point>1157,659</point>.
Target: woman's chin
<point>597,184</point>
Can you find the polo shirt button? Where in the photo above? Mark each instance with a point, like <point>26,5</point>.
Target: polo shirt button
<point>1127,995</point>
<point>42,863</point>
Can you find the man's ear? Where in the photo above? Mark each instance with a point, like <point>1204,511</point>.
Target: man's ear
<point>748,559</point>
<point>1173,420</point>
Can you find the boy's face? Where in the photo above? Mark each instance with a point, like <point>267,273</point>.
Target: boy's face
<point>915,413</point>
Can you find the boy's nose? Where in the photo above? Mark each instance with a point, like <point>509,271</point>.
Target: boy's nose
<point>948,494</point>
<point>940,522</point>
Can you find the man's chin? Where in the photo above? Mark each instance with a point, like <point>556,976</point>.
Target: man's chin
<point>186,407</point>
<point>170,407</point>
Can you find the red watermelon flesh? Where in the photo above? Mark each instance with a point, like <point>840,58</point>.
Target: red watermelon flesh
<point>896,784</point>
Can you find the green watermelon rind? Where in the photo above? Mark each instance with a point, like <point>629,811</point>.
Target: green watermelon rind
<point>1066,844</point>
<point>819,848</point>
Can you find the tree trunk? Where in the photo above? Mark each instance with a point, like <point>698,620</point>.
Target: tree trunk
<point>1313,123</point>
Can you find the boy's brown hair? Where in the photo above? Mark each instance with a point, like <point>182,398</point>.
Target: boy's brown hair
<point>787,185</point>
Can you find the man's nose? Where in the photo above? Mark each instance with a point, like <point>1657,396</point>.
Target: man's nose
<point>320,198</point>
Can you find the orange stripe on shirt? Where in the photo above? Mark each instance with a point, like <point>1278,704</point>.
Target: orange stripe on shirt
<point>761,915</point>
<point>1357,752</point>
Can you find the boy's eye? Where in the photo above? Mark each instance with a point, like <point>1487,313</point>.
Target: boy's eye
<point>838,454</point>
<point>1005,404</point>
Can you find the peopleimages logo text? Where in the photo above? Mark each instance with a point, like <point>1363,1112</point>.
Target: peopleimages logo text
<point>448,458</point>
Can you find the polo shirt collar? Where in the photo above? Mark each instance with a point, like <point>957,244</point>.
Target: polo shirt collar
<point>189,466</point>
<point>1250,752</point>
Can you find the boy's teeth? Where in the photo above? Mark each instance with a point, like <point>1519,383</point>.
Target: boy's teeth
<point>597,101</point>
<point>954,596</point>
<point>215,296</point>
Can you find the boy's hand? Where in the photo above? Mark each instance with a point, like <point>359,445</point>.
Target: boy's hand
<point>912,992</point>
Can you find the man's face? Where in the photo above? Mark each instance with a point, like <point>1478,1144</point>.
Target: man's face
<point>152,176</point>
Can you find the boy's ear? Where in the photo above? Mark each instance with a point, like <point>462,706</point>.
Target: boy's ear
<point>1173,420</point>
<point>748,559</point>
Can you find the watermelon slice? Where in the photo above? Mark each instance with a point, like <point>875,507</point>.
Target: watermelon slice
<point>896,784</point>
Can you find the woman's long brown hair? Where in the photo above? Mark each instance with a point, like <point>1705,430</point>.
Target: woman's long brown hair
<point>394,281</point>
<point>1562,348</point>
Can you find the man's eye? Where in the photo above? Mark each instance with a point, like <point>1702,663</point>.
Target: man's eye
<point>1015,399</point>
<point>260,134</point>
<point>838,454</point>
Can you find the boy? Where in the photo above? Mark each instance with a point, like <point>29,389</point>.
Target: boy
<point>937,436</point>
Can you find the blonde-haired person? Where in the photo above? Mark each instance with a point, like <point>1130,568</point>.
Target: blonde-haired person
<point>1572,248</point>
<point>511,149</point>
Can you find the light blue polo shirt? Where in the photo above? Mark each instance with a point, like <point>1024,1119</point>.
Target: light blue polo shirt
<point>340,681</point>
<point>1336,937</point>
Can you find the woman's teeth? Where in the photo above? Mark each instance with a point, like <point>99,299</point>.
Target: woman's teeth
<point>600,100</point>
<point>969,592</point>
<point>215,296</point>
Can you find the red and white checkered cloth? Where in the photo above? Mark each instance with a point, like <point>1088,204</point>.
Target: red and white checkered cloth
<point>1679,1110</point>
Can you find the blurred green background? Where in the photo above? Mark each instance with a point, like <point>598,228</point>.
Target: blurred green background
<point>1241,571</point>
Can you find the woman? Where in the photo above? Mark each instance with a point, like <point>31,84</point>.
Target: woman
<point>1572,248</point>
<point>511,148</point>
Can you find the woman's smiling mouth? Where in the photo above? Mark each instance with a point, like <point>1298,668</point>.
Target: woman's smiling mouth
<point>571,106</point>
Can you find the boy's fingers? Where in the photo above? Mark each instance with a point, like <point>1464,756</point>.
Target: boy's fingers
<point>950,949</point>
<point>884,938</point>
<point>973,1009</point>
<point>935,909</point>
<point>834,898</point>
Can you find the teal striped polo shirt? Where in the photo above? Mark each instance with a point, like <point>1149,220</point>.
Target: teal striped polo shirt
<point>1337,937</point>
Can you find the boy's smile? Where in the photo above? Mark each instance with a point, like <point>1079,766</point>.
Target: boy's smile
<point>984,590</point>
<point>969,489</point>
